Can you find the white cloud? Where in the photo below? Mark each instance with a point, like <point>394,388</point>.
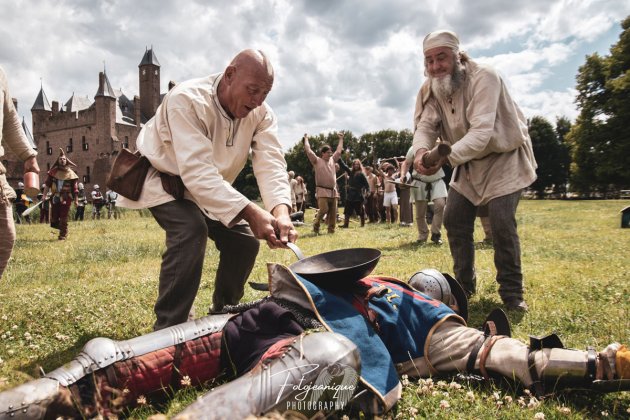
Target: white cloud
<point>349,64</point>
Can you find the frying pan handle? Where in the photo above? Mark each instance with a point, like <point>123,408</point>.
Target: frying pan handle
<point>296,250</point>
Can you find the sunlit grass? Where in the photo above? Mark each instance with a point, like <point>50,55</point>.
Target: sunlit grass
<point>102,281</point>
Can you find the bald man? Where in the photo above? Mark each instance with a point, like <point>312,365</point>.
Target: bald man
<point>469,107</point>
<point>198,142</point>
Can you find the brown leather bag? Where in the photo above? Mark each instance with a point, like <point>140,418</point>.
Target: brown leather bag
<point>128,174</point>
<point>173,185</point>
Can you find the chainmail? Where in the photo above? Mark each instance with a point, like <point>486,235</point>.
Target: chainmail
<point>303,316</point>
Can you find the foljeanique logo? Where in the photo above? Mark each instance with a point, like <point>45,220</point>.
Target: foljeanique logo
<point>330,391</point>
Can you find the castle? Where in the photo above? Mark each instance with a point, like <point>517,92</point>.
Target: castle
<point>91,133</point>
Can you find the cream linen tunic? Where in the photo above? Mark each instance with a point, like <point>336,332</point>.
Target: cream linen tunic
<point>491,149</point>
<point>192,136</point>
<point>11,132</point>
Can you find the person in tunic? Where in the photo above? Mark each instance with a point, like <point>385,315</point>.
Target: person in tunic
<point>325,182</point>
<point>62,182</point>
<point>11,136</point>
<point>357,189</point>
<point>429,188</point>
<point>468,106</point>
<point>197,143</point>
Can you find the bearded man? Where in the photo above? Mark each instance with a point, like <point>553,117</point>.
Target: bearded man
<point>468,106</point>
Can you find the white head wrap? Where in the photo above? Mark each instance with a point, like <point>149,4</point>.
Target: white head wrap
<point>441,38</point>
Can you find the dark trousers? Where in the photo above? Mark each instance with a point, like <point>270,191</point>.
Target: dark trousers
<point>187,232</point>
<point>79,215</point>
<point>459,220</point>
<point>59,217</point>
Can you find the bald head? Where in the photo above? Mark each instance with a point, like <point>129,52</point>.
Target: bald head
<point>253,60</point>
<point>246,83</point>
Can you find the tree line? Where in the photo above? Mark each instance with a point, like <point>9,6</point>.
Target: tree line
<point>588,157</point>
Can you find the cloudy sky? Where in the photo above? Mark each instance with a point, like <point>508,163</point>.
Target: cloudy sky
<point>340,64</point>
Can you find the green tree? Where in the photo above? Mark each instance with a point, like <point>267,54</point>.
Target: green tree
<point>600,140</point>
<point>549,153</point>
<point>563,126</point>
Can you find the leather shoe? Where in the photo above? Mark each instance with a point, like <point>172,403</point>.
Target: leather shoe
<point>516,305</point>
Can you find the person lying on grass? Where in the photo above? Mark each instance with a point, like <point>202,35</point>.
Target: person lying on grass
<point>312,348</point>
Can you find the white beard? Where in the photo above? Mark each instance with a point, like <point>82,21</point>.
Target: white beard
<point>445,86</point>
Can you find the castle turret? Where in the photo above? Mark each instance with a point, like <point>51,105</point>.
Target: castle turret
<point>40,111</point>
<point>105,102</point>
<point>149,72</point>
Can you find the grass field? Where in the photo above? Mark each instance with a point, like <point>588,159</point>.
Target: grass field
<point>102,281</point>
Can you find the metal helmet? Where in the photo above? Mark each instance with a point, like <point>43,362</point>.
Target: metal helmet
<point>81,186</point>
<point>96,187</point>
<point>20,185</point>
<point>432,283</point>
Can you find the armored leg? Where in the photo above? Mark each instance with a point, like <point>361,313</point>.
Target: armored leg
<point>294,380</point>
<point>140,365</point>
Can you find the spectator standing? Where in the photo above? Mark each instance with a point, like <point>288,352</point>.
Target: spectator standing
<point>81,203</point>
<point>110,199</point>
<point>429,188</point>
<point>22,203</point>
<point>325,181</point>
<point>358,188</point>
<point>371,205</point>
<point>98,201</point>
<point>44,208</point>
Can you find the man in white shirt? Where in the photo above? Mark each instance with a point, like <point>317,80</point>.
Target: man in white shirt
<point>201,136</point>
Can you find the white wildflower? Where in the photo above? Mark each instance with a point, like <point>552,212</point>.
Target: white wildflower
<point>142,400</point>
<point>565,410</point>
<point>508,399</point>
<point>455,385</point>
<point>413,411</point>
<point>15,327</point>
<point>4,317</point>
<point>186,381</point>
<point>533,403</point>
<point>539,416</point>
<point>605,413</point>
<point>470,396</point>
<point>496,396</point>
<point>444,405</point>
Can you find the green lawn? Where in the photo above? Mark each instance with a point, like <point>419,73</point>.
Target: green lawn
<point>102,281</point>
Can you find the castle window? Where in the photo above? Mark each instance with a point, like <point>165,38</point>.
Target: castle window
<point>84,144</point>
<point>5,163</point>
<point>48,166</point>
<point>86,177</point>
<point>69,146</point>
<point>126,142</point>
<point>48,148</point>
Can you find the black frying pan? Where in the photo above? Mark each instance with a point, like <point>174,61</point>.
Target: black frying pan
<point>332,269</point>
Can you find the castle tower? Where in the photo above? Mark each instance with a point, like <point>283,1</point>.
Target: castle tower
<point>105,103</point>
<point>149,72</point>
<point>40,111</point>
